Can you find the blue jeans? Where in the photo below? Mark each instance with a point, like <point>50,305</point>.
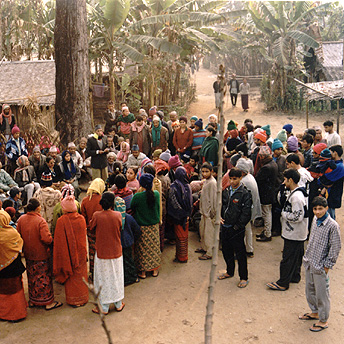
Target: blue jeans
<point>332,212</point>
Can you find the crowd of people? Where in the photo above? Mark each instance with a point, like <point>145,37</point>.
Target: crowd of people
<point>150,182</point>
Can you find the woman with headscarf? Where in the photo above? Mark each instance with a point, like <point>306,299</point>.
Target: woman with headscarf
<point>179,207</point>
<point>89,205</point>
<point>37,239</point>
<point>123,154</point>
<point>210,147</point>
<point>108,261</point>
<point>70,253</point>
<point>12,299</point>
<point>7,121</point>
<point>70,172</point>
<point>67,190</point>
<point>124,122</point>
<point>146,208</point>
<point>159,135</point>
<point>25,177</point>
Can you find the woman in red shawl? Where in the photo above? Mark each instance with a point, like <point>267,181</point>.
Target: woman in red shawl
<point>70,253</point>
<point>89,205</point>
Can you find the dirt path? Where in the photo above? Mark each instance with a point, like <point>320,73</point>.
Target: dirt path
<point>171,308</point>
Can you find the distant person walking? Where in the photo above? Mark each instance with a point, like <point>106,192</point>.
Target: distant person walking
<point>233,89</point>
<point>217,91</point>
<point>244,90</point>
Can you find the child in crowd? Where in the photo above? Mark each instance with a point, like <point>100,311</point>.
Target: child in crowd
<point>132,182</point>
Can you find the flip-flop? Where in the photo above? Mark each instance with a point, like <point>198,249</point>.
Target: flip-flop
<point>224,276</point>
<point>318,328</point>
<point>96,311</point>
<point>120,309</point>
<point>275,286</point>
<point>307,316</point>
<point>204,257</point>
<point>243,284</point>
<point>57,304</point>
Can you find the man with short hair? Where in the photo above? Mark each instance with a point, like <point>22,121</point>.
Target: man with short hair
<point>293,161</point>
<point>306,144</point>
<point>331,137</point>
<point>136,157</point>
<point>217,91</point>
<point>37,160</point>
<point>233,89</point>
<point>321,255</point>
<point>97,149</point>
<point>294,232</point>
<point>110,117</point>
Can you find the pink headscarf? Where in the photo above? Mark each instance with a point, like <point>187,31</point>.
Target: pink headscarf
<point>123,156</point>
<point>68,205</point>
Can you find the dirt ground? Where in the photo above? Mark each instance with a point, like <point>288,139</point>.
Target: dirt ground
<point>171,308</point>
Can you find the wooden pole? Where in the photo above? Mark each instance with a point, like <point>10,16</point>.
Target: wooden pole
<point>212,278</point>
<point>338,115</point>
<point>307,109</point>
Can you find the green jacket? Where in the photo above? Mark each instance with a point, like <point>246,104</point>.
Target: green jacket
<point>210,149</point>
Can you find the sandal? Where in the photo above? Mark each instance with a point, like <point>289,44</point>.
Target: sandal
<point>31,305</point>
<point>200,250</point>
<point>155,274</point>
<point>120,309</point>
<point>96,311</point>
<point>224,276</point>
<point>205,257</point>
<point>275,286</point>
<point>307,316</point>
<point>142,276</point>
<point>243,284</point>
<point>57,304</point>
<point>318,328</point>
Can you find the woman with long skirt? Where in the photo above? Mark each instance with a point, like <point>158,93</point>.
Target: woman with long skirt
<point>179,207</point>
<point>70,253</point>
<point>108,260</point>
<point>12,299</point>
<point>146,208</point>
<point>244,89</point>
<point>89,205</point>
<point>37,238</point>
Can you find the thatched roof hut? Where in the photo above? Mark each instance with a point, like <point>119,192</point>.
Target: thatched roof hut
<point>23,79</point>
<point>332,62</point>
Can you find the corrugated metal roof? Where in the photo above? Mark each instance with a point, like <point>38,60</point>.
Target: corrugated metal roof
<point>22,79</point>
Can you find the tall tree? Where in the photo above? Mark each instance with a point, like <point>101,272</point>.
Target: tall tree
<point>72,71</point>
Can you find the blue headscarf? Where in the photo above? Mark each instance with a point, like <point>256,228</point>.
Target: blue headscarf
<point>69,172</point>
<point>146,181</point>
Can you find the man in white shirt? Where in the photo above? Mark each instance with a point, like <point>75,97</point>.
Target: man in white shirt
<point>136,157</point>
<point>331,137</point>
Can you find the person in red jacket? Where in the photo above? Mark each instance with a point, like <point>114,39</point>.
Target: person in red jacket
<point>108,261</point>
<point>183,137</point>
<point>37,238</point>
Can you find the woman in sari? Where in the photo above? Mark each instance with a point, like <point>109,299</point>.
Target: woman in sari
<point>89,205</point>
<point>37,238</point>
<point>146,208</point>
<point>108,261</point>
<point>70,253</point>
<point>179,207</point>
<point>12,299</point>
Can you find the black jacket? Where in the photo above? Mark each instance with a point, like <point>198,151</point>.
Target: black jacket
<point>98,161</point>
<point>266,179</point>
<point>236,209</point>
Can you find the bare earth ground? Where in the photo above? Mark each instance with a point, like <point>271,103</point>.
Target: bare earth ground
<point>171,308</point>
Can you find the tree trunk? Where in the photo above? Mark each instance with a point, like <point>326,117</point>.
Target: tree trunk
<point>72,70</point>
<point>175,94</point>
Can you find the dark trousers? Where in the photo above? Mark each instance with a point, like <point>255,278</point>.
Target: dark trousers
<point>234,98</point>
<point>233,243</point>
<point>290,266</point>
<point>276,219</point>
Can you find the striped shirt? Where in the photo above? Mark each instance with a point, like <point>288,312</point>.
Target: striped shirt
<point>324,245</point>
<point>198,138</point>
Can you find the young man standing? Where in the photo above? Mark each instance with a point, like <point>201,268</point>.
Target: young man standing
<point>294,232</point>
<point>306,143</point>
<point>293,162</point>
<point>235,213</point>
<point>217,92</point>
<point>331,137</point>
<point>233,89</point>
<point>321,255</point>
<point>207,207</point>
